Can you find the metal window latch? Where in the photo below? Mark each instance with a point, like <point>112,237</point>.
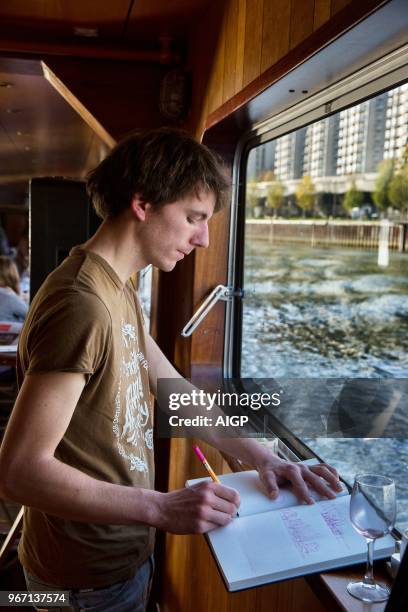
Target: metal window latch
<point>221,292</point>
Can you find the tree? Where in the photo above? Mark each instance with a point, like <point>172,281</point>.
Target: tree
<point>275,193</point>
<point>305,193</point>
<point>382,184</point>
<point>265,175</point>
<point>252,196</point>
<point>398,189</point>
<point>353,198</point>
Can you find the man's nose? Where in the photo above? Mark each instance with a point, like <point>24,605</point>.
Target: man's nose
<point>202,238</point>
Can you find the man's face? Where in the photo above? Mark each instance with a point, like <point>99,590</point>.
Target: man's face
<point>172,231</point>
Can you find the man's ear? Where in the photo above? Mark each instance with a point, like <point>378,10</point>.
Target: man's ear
<point>139,207</point>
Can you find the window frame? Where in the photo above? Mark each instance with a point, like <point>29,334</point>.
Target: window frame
<point>381,75</point>
<point>388,72</point>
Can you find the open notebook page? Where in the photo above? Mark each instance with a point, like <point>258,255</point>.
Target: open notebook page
<point>290,542</point>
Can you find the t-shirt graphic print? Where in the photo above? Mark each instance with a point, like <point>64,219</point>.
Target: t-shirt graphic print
<point>131,423</point>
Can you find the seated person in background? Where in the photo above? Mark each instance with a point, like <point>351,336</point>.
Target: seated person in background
<point>12,306</point>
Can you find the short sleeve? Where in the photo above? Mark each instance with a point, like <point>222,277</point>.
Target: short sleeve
<point>72,333</point>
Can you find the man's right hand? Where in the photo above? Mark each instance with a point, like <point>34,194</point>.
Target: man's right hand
<point>196,509</point>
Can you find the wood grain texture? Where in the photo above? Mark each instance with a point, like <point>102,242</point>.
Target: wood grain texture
<point>253,40</point>
<point>215,85</point>
<point>231,39</point>
<point>211,270</point>
<point>301,21</point>
<point>321,13</point>
<point>337,5</point>
<point>275,32</point>
<point>120,97</point>
<point>240,44</point>
<point>343,20</point>
<point>203,41</point>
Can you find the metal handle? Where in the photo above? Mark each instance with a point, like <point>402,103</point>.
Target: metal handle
<point>221,292</point>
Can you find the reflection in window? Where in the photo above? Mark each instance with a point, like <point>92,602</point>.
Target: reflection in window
<point>145,292</point>
<point>326,262</point>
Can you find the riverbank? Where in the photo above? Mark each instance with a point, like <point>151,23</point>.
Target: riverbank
<point>360,234</point>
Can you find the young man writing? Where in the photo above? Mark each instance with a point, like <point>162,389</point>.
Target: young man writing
<point>78,450</point>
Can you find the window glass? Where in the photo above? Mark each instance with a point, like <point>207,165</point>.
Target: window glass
<point>145,292</point>
<point>325,267</point>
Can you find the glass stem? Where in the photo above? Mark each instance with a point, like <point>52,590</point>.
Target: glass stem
<point>368,579</point>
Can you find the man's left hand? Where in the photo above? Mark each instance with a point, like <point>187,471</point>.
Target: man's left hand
<point>321,477</point>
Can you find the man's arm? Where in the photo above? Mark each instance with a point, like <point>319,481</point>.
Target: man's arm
<point>272,470</point>
<point>31,475</point>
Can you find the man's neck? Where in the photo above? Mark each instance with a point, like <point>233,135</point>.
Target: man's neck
<point>116,242</point>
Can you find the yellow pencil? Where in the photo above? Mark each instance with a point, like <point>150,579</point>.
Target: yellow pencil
<point>207,466</point>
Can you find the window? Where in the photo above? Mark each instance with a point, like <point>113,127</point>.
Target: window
<point>145,278</point>
<point>320,256</point>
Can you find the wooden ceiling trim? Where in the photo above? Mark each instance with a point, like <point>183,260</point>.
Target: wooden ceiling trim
<point>164,55</point>
<point>121,97</point>
<point>78,106</point>
<point>84,13</point>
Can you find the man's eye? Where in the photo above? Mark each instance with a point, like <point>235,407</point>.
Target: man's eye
<point>190,219</point>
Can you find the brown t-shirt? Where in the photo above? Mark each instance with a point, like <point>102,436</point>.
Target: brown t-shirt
<point>83,319</point>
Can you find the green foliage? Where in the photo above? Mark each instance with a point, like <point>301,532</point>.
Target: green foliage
<point>398,189</point>
<point>353,198</point>
<point>266,175</point>
<point>305,193</point>
<point>382,184</point>
<point>275,193</point>
<point>252,195</point>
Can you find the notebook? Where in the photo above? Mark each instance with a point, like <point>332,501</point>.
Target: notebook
<point>274,540</point>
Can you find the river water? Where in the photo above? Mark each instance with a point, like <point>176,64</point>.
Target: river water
<point>331,313</point>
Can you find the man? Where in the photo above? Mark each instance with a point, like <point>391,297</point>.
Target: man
<point>78,450</point>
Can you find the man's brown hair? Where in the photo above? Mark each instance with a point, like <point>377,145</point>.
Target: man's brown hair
<point>162,165</point>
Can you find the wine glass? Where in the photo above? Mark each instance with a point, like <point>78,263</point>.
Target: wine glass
<point>372,514</point>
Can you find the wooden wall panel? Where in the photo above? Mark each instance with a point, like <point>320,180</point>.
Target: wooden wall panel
<point>216,83</point>
<point>253,40</point>
<point>337,5</point>
<point>240,44</point>
<point>204,53</point>
<point>301,21</point>
<point>230,61</point>
<point>275,32</point>
<point>321,13</point>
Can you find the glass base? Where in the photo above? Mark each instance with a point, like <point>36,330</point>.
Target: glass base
<point>368,592</point>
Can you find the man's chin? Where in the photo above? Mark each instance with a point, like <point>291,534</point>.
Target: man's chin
<point>168,266</point>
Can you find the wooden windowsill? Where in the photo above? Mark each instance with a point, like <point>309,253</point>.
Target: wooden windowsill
<point>331,588</point>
